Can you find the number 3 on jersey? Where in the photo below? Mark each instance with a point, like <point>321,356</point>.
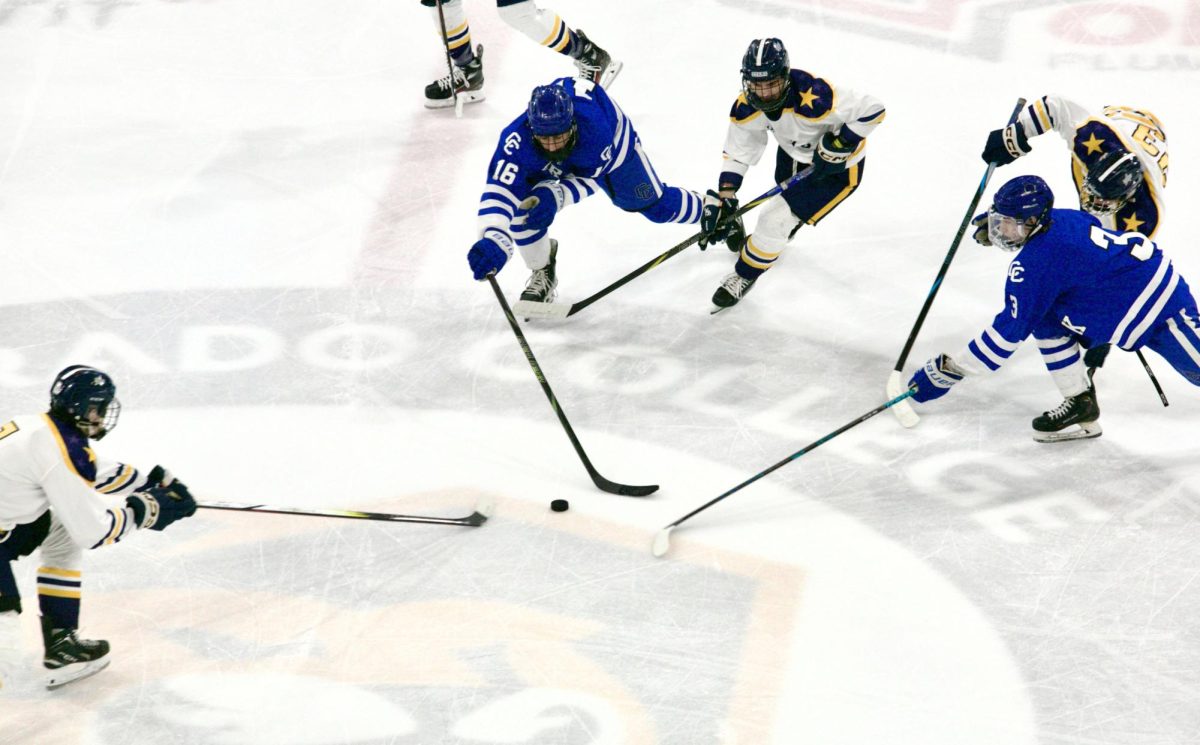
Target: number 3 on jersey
<point>1140,246</point>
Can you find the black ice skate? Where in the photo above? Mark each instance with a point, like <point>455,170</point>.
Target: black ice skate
<point>1081,414</point>
<point>595,64</point>
<point>69,658</point>
<point>542,286</point>
<point>731,291</point>
<point>467,82</point>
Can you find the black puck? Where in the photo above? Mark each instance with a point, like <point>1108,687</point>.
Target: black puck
<point>559,505</point>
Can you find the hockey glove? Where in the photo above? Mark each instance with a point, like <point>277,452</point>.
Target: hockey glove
<point>935,379</point>
<point>1006,145</point>
<point>537,210</point>
<point>489,254</point>
<point>159,506</point>
<point>714,221</point>
<point>831,157</point>
<point>980,235</point>
<point>1095,356</point>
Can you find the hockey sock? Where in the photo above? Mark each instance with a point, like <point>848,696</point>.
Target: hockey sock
<point>59,592</point>
<point>458,31</point>
<point>543,26</point>
<point>753,261</point>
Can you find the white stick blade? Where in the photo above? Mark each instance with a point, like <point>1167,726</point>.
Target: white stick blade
<point>485,506</point>
<point>903,409</point>
<point>458,106</point>
<point>530,309</point>
<point>662,542</point>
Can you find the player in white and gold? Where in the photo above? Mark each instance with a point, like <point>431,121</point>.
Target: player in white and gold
<point>1094,137</point>
<point>817,127</point>
<point>57,496</point>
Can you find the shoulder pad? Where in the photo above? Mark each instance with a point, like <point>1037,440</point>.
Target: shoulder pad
<point>810,97</point>
<point>742,111</point>
<point>74,448</point>
<point>1094,138</point>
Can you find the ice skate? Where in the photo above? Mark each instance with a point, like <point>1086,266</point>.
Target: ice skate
<point>732,288</point>
<point>69,658</point>
<point>595,64</point>
<point>467,83</point>
<point>542,286</point>
<point>1076,418</point>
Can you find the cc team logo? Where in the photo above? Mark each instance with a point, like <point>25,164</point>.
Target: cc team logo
<point>512,142</point>
<point>1015,270</point>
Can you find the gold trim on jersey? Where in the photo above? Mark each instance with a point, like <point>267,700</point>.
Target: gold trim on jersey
<point>66,454</point>
<point>119,481</point>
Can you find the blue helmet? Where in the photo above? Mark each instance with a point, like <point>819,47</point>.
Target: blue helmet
<point>1110,182</point>
<point>1019,209</point>
<point>86,397</point>
<point>766,60</point>
<point>552,112</point>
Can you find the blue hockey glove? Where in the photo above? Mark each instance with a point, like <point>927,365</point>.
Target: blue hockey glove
<point>537,210</point>
<point>159,506</point>
<point>980,235</point>
<point>1006,145</point>
<point>488,256</point>
<point>935,379</point>
<point>714,220</point>
<point>831,157</point>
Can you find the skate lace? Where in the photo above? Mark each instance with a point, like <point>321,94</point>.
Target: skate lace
<point>735,284</point>
<point>1061,411</point>
<point>591,61</point>
<point>450,81</point>
<point>539,282</point>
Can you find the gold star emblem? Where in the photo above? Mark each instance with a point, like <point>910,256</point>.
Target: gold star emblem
<point>807,97</point>
<point>1132,223</point>
<point>1092,144</point>
<point>91,456</point>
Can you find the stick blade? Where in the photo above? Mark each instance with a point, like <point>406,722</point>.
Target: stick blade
<point>902,409</point>
<point>624,490</point>
<point>662,542</point>
<point>530,309</point>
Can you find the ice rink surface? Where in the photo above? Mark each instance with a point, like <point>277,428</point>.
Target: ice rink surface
<point>244,213</point>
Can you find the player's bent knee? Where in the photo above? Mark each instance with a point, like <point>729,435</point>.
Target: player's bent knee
<point>518,14</point>
<point>776,224</point>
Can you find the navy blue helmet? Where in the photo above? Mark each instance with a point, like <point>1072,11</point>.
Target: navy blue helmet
<point>88,398</point>
<point>1019,209</point>
<point>1110,182</point>
<point>551,115</point>
<point>765,62</point>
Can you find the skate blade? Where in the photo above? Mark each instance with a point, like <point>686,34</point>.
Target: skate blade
<point>70,673</point>
<point>1084,432</point>
<point>717,309</point>
<point>610,73</point>
<point>466,97</point>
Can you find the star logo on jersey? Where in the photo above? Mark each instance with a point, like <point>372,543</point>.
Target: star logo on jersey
<point>1015,270</point>
<point>1132,223</point>
<point>1066,322</point>
<point>1093,144</point>
<point>512,142</point>
<point>808,97</point>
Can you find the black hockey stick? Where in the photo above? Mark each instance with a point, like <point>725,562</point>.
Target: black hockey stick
<point>602,483</point>
<point>483,510</point>
<point>662,539</point>
<point>458,106</point>
<point>1162,396</point>
<point>528,309</point>
<point>905,412</point>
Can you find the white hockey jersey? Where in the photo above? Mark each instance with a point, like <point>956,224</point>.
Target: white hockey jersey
<point>1090,134</point>
<point>45,463</point>
<point>812,108</point>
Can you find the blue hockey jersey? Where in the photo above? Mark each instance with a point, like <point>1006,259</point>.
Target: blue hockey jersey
<point>605,140</point>
<point>1078,280</point>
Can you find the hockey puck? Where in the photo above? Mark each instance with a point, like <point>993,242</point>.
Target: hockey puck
<point>559,505</point>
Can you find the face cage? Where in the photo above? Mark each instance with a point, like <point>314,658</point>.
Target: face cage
<point>561,154</point>
<point>1095,204</point>
<point>774,104</point>
<point>96,430</point>
<point>1004,242</point>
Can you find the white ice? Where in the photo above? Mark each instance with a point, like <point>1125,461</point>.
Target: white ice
<point>244,213</point>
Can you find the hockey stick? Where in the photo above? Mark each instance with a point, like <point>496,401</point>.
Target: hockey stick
<point>601,483</point>
<point>529,309</point>
<point>1162,396</point>
<point>662,539</point>
<point>904,412</point>
<point>483,510</point>
<point>458,102</point>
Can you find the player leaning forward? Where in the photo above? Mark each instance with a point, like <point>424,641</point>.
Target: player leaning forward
<point>572,141</point>
<point>1072,279</point>
<point>57,496</point>
<point>817,127</point>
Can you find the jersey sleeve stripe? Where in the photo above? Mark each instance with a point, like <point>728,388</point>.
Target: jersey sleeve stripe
<point>1152,314</point>
<point>119,480</point>
<point>1123,337</point>
<point>495,206</point>
<point>881,115</point>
